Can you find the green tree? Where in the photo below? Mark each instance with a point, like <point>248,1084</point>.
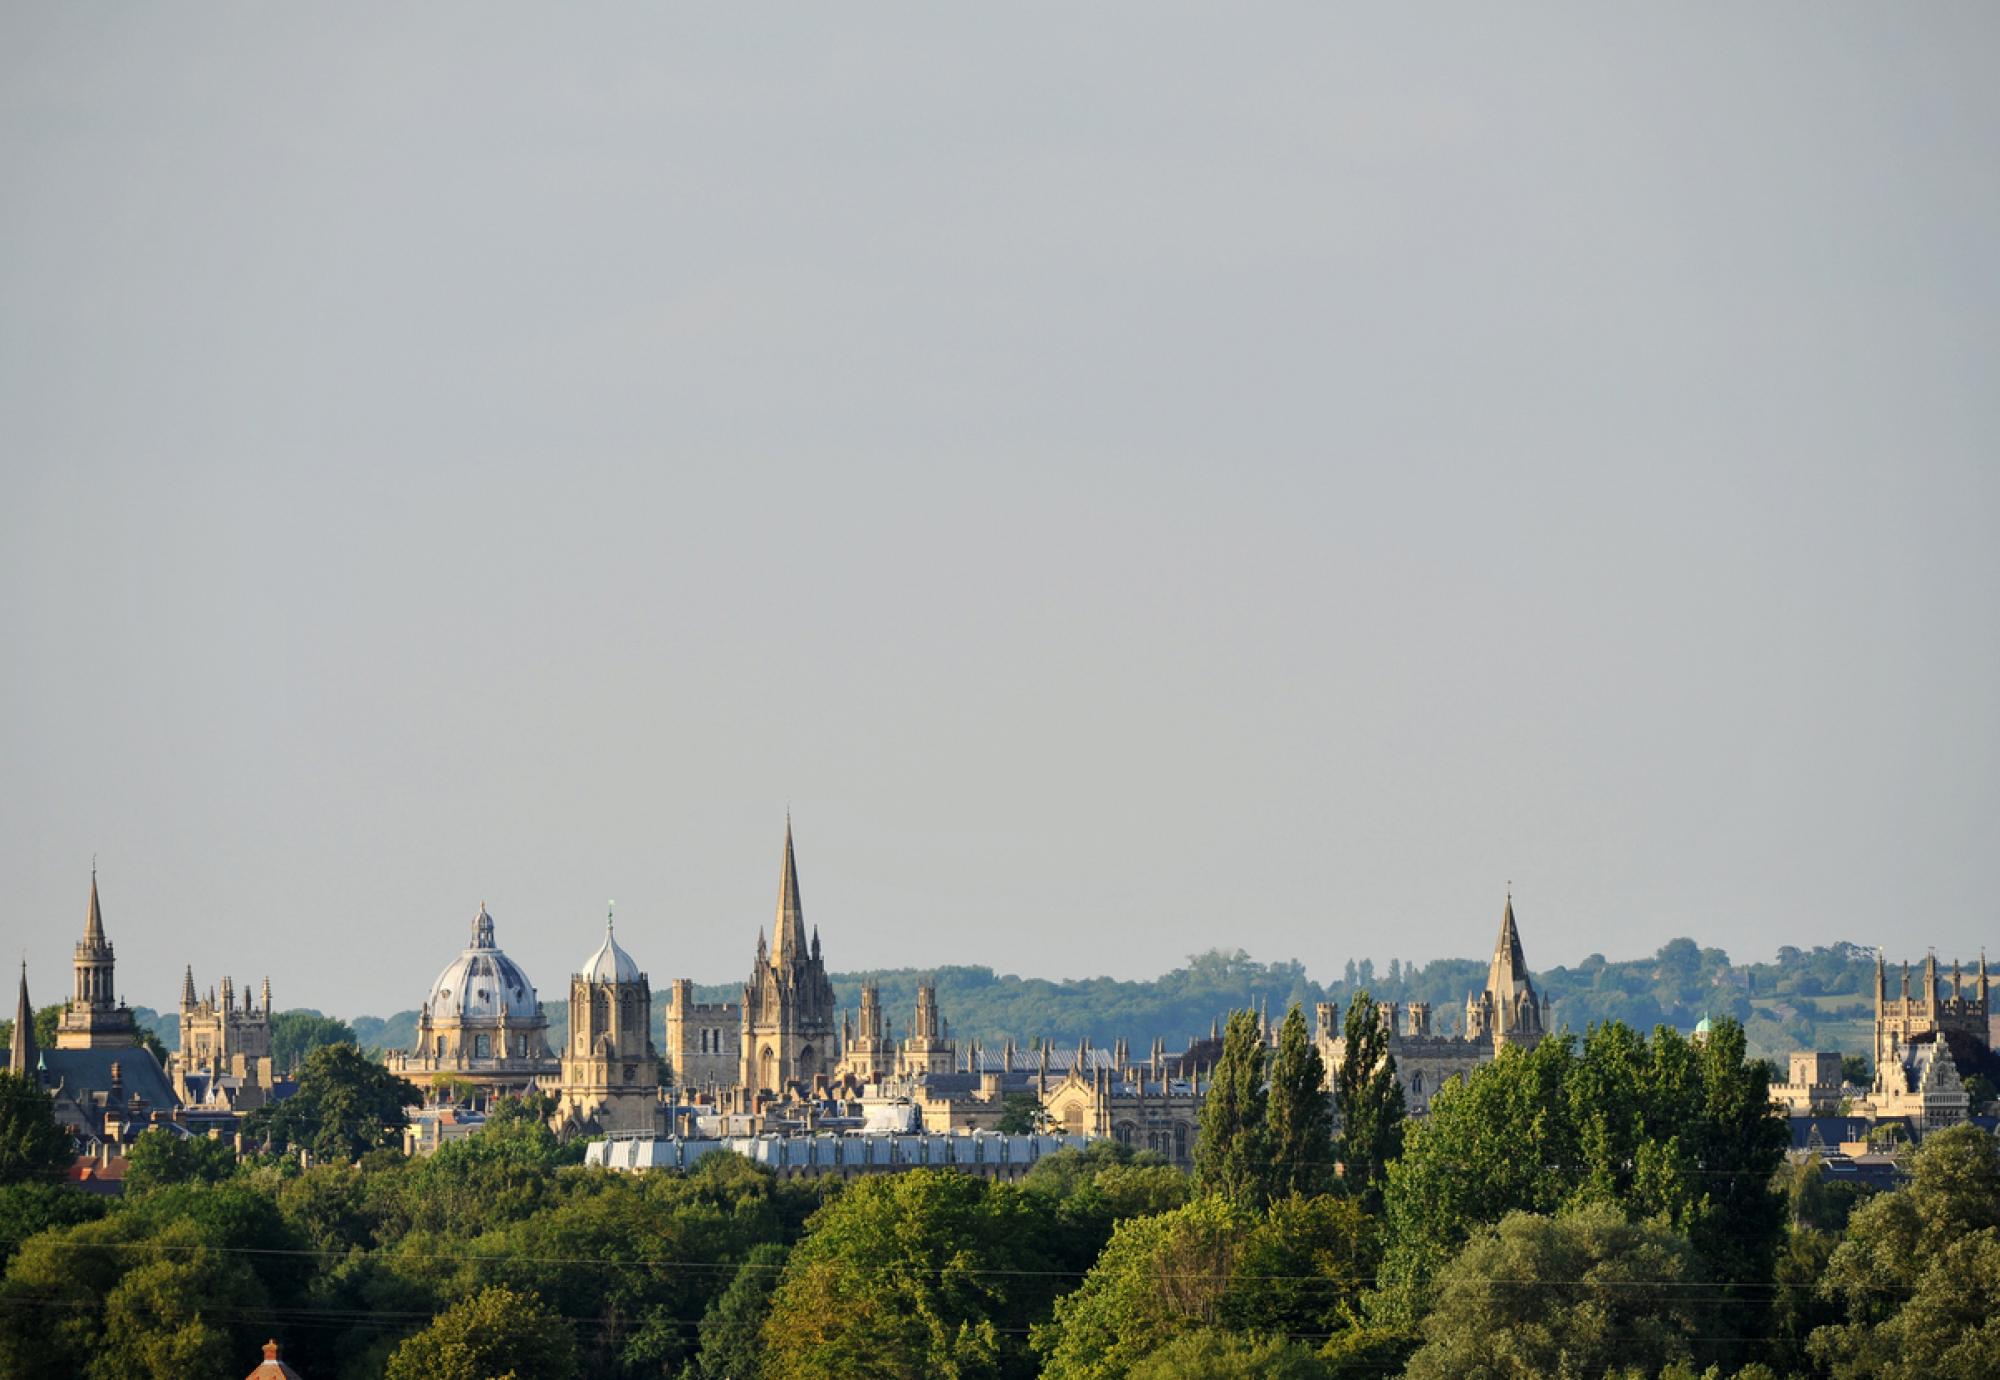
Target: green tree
<point>497,1334</point>
<point>1919,1271</point>
<point>1020,1114</point>
<point>732,1343</point>
<point>1854,1069</point>
<point>34,1148</point>
<point>297,1033</point>
<point>346,1105</point>
<point>1159,1277</point>
<point>1298,1115</point>
<point>1672,1129</point>
<point>1582,1294</point>
<point>1370,1099</point>
<point>1210,1354</point>
<point>160,1157</point>
<point>927,1272</point>
<point>1230,1154</point>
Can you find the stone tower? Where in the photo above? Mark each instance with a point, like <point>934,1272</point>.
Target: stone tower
<point>95,1018</point>
<point>610,1070</point>
<point>927,1050</point>
<point>1508,1012</point>
<point>788,1034</point>
<point>218,1033</point>
<point>868,1053</point>
<point>1905,1019</point>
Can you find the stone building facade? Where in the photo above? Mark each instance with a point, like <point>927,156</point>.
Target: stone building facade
<point>1147,1106</point>
<point>1507,1012</point>
<point>788,1040</point>
<point>481,1025</point>
<point>1907,1019</point>
<point>610,1069</point>
<point>704,1040</point>
<point>225,1056</point>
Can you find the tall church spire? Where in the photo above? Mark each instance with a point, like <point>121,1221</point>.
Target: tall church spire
<point>21,1056</point>
<point>93,923</point>
<point>789,928</point>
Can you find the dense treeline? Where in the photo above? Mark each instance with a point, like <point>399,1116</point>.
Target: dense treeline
<point>1616,1206</point>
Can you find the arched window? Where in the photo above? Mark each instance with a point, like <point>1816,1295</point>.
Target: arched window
<point>482,1047</point>
<point>767,1070</point>
<point>1180,1141</point>
<point>1417,1082</point>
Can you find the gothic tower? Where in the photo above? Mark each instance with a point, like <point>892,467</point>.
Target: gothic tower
<point>868,1054</point>
<point>927,1050</point>
<point>788,1001</point>
<point>1509,1011</point>
<point>610,1070</point>
<point>95,1018</point>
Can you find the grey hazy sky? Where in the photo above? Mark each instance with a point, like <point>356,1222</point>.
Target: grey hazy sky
<point>1133,478</point>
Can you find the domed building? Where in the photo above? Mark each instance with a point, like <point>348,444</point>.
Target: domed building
<point>481,1024</point>
<point>610,1069</point>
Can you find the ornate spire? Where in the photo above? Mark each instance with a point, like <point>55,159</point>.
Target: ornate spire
<point>187,989</point>
<point>788,930</point>
<point>21,1056</point>
<point>482,929</point>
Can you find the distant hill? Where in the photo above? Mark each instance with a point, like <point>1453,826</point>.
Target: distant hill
<point>1805,999</point>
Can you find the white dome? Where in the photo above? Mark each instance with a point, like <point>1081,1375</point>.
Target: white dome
<point>610,963</point>
<point>482,982</point>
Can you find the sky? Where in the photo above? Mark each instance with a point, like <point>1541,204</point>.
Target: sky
<point>1130,480</point>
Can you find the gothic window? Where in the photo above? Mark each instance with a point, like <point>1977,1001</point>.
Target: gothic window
<point>1180,1142</point>
<point>599,1011</point>
<point>1073,1119</point>
<point>767,1070</point>
<point>1417,1082</point>
<point>805,1058</point>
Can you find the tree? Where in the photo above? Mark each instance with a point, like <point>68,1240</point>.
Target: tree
<point>1584,1294</point>
<point>1370,1098</point>
<point>1919,1272</point>
<point>1298,1118</point>
<point>1157,1278</point>
<point>346,1105</point>
<point>497,1334</point>
<point>1230,1153</point>
<point>1020,1114</point>
<point>297,1033</point>
<point>1671,1129</point>
<point>34,1148</point>
<point>1210,1354</point>
<point>1854,1068</point>
<point>927,1272</point>
<point>160,1157</point>
<point>732,1344</point>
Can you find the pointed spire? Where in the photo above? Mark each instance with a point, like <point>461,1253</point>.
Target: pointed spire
<point>21,1056</point>
<point>187,989</point>
<point>93,923</point>
<point>788,937</point>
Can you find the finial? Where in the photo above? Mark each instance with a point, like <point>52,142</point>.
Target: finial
<point>609,906</point>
